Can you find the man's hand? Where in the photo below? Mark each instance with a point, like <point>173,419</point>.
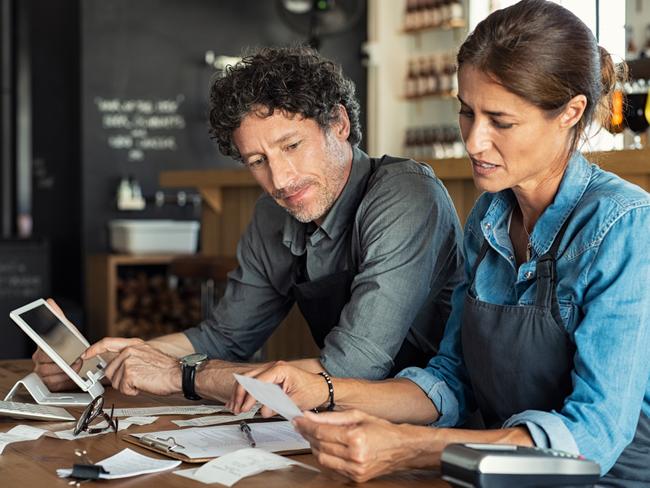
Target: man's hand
<point>307,390</point>
<point>356,444</point>
<point>53,376</point>
<point>138,366</point>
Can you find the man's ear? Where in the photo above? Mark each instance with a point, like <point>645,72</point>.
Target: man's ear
<point>341,124</point>
<point>573,111</point>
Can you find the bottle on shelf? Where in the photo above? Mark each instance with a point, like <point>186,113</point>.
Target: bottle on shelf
<point>456,15</point>
<point>433,143</point>
<point>431,14</point>
<point>411,89</point>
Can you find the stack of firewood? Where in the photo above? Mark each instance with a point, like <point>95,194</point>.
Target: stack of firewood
<point>150,304</point>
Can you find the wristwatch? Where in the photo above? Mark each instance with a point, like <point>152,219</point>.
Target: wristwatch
<point>190,364</point>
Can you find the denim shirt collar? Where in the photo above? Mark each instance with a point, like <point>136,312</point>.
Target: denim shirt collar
<point>573,185</point>
<point>339,218</point>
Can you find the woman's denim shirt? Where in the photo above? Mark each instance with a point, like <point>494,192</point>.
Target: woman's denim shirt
<point>603,270</point>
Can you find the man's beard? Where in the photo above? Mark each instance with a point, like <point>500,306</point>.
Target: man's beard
<point>316,208</point>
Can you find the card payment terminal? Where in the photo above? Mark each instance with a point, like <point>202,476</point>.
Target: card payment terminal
<point>500,465</point>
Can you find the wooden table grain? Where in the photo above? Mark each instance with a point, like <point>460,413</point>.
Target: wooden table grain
<point>34,463</point>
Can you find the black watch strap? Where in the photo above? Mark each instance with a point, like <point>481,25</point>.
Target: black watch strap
<point>189,372</point>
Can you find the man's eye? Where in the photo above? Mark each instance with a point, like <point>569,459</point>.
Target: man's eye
<point>255,163</point>
<point>293,146</point>
<point>466,113</point>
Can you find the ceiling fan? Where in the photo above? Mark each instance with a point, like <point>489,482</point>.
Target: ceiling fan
<point>320,18</point>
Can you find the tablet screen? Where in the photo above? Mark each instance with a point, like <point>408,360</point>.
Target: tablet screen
<point>59,337</point>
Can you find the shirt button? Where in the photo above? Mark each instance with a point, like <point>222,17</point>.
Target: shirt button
<point>528,275</point>
<point>488,226</point>
<point>511,257</point>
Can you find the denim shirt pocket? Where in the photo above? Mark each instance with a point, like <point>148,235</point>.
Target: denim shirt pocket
<point>568,314</point>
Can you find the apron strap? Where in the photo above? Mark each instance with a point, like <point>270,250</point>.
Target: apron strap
<point>547,277</point>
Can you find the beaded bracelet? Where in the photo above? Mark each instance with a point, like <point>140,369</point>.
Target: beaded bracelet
<point>330,387</point>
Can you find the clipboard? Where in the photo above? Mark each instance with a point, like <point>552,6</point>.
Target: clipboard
<point>164,442</point>
<point>163,446</point>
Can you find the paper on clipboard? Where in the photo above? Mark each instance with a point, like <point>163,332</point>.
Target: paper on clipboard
<point>209,442</point>
<point>271,395</point>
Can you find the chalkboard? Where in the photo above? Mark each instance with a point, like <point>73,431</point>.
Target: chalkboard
<point>145,84</point>
<point>24,277</point>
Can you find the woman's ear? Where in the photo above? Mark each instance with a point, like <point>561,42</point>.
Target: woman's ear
<point>573,111</point>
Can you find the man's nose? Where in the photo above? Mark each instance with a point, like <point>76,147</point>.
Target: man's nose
<point>283,172</point>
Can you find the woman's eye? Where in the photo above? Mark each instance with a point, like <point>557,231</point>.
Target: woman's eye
<point>500,125</point>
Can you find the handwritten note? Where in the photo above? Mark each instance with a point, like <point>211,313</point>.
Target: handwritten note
<point>216,419</point>
<point>68,435</point>
<point>229,469</point>
<point>127,463</point>
<point>18,434</point>
<point>167,410</point>
<point>209,442</point>
<point>271,395</point>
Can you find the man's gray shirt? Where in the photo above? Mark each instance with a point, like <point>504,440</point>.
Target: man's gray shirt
<point>406,245</point>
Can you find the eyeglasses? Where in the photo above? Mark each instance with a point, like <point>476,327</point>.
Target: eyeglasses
<point>90,413</point>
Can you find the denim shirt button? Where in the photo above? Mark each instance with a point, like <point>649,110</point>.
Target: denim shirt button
<point>488,226</point>
<point>528,275</point>
<point>511,257</point>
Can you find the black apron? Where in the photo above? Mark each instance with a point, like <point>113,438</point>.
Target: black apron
<point>321,301</point>
<point>520,357</point>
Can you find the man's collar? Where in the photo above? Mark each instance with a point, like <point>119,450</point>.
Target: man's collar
<point>339,217</point>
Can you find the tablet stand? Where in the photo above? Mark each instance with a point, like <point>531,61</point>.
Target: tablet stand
<point>37,389</point>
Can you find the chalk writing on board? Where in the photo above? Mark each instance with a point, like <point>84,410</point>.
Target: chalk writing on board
<point>140,125</point>
<point>16,280</point>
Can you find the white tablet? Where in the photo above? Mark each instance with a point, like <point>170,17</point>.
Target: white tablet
<point>62,342</point>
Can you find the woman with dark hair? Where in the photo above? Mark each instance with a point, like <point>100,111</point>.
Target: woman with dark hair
<point>549,333</point>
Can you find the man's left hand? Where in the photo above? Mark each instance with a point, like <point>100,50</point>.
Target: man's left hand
<point>138,367</point>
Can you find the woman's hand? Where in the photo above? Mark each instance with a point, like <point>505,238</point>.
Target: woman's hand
<point>307,390</point>
<point>358,445</point>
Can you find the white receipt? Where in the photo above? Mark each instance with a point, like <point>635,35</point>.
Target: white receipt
<point>68,435</point>
<point>216,419</point>
<point>271,395</point>
<point>167,410</point>
<point>18,434</point>
<point>209,442</point>
<point>229,469</point>
<point>127,463</point>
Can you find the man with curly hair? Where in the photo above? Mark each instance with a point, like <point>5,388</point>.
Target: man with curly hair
<point>369,249</point>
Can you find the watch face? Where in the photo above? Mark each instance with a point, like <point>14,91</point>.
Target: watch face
<point>194,359</point>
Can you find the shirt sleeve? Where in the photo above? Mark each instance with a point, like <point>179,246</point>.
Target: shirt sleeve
<point>408,233</point>
<point>445,380</point>
<point>611,364</point>
<point>251,308</point>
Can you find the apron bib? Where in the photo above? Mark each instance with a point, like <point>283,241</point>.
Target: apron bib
<point>520,357</point>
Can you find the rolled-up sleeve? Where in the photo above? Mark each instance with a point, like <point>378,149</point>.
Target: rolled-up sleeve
<point>408,231</point>
<point>251,308</point>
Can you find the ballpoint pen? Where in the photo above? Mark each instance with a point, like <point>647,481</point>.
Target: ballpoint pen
<point>245,428</point>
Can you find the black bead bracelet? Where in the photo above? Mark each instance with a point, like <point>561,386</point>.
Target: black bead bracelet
<point>330,388</point>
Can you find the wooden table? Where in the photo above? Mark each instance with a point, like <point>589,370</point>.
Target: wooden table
<point>34,463</point>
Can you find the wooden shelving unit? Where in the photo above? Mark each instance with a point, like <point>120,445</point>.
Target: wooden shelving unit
<point>102,274</point>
